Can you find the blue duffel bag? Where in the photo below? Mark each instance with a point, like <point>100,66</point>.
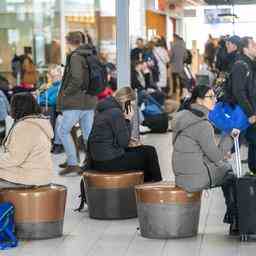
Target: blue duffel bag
<point>7,227</point>
<point>226,117</point>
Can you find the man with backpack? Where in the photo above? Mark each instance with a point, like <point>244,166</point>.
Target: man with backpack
<point>242,92</point>
<point>76,98</point>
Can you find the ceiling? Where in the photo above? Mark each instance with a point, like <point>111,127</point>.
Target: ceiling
<point>225,2</point>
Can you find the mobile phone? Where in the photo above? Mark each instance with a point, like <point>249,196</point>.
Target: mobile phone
<point>127,107</point>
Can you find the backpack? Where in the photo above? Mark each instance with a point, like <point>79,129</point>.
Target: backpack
<point>97,76</point>
<point>151,107</point>
<point>7,228</point>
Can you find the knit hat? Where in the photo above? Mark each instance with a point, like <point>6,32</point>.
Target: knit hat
<point>235,40</point>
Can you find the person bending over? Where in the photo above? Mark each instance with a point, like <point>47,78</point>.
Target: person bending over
<point>198,163</point>
<point>110,144</point>
<point>26,159</point>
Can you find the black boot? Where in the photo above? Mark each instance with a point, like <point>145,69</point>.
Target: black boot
<point>234,228</point>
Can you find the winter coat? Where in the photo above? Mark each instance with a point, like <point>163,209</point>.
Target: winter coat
<point>110,133</point>
<point>76,77</point>
<point>49,97</point>
<point>27,157</point>
<point>162,57</point>
<point>198,163</point>
<point>243,82</point>
<point>178,55</point>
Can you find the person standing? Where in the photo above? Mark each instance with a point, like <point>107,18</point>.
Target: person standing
<point>76,105</point>
<point>178,55</point>
<point>163,60</point>
<point>138,52</point>
<point>243,92</point>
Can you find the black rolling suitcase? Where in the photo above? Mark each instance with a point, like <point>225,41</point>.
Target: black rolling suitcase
<point>246,199</point>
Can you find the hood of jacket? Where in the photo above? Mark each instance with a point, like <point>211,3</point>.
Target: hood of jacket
<point>107,104</point>
<point>187,118</point>
<point>84,50</point>
<point>41,122</point>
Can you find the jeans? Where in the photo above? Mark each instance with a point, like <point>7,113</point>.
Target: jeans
<point>57,140</point>
<point>71,118</point>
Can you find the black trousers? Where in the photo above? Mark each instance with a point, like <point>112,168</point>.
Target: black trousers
<point>142,158</point>
<point>229,191</point>
<point>252,157</point>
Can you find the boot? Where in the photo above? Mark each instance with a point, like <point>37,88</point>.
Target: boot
<point>234,228</point>
<point>71,169</point>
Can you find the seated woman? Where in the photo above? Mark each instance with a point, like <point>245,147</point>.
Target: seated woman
<point>26,159</point>
<point>110,139</point>
<point>49,96</point>
<point>198,163</point>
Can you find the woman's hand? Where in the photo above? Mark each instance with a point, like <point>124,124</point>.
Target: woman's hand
<point>134,143</point>
<point>228,156</point>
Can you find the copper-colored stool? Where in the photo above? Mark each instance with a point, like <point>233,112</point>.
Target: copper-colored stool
<point>166,211</point>
<point>39,211</point>
<point>111,195</point>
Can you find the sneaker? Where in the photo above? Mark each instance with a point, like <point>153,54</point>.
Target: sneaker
<point>57,149</point>
<point>71,169</point>
<point>64,165</point>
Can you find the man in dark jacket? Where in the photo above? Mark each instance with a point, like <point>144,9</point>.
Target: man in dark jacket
<point>138,52</point>
<point>244,92</point>
<point>76,105</point>
<point>232,45</point>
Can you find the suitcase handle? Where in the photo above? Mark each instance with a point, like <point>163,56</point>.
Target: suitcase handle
<point>238,157</point>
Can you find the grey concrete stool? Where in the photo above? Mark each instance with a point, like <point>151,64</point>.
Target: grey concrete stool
<point>39,211</point>
<point>111,195</point>
<point>166,211</point>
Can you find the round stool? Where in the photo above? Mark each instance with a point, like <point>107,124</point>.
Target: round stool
<point>111,195</point>
<point>39,211</point>
<point>167,211</point>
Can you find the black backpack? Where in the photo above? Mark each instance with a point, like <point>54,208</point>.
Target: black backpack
<point>98,76</point>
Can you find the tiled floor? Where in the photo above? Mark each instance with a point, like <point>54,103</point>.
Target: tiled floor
<point>88,237</point>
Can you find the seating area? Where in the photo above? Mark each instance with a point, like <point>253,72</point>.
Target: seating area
<point>39,211</point>
<point>93,237</point>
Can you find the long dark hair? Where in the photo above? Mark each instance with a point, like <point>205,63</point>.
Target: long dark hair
<point>24,104</point>
<point>199,91</point>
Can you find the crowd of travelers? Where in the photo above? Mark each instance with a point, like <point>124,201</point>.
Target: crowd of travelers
<point>84,94</point>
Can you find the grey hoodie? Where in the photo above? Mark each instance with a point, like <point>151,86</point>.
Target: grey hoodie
<point>198,163</point>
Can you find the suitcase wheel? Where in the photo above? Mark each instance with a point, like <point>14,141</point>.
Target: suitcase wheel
<point>244,238</point>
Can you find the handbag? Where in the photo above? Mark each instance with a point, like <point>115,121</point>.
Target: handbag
<point>7,226</point>
<point>227,117</point>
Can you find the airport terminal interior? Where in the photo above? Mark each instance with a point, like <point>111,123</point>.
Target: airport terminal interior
<point>177,56</point>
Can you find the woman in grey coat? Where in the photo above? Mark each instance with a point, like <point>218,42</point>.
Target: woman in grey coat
<point>198,162</point>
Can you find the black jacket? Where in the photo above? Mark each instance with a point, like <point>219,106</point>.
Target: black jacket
<point>76,75</point>
<point>244,84</point>
<point>110,133</point>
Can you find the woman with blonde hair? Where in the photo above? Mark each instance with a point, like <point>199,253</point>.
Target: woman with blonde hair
<point>110,139</point>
